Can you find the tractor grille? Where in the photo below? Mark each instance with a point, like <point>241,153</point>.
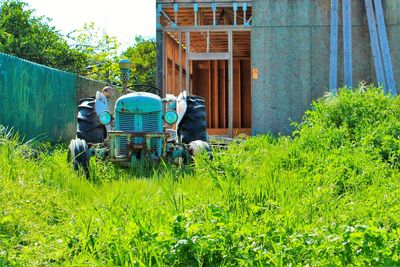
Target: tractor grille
<point>148,122</point>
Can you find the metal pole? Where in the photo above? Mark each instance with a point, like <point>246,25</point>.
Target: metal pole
<point>347,43</point>
<point>334,46</point>
<point>376,51</point>
<point>387,62</point>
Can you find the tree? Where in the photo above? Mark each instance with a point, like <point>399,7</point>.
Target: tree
<point>32,38</point>
<point>101,51</point>
<point>89,51</point>
<point>143,57</point>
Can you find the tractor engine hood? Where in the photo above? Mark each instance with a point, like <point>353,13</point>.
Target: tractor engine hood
<point>140,102</point>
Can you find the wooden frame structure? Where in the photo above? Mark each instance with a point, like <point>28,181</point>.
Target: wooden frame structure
<point>204,47</point>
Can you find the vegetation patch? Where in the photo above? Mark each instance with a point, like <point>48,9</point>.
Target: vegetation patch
<point>328,195</point>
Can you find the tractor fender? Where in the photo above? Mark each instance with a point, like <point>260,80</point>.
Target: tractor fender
<point>181,107</point>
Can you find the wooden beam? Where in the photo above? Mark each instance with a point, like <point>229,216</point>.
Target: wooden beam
<point>173,80</point>
<point>204,28</point>
<point>189,4</point>
<point>222,97</point>
<point>237,84</point>
<point>180,63</point>
<point>187,63</point>
<point>225,131</point>
<point>209,56</point>
<point>209,96</point>
<point>230,84</point>
<point>215,93</point>
<point>166,47</point>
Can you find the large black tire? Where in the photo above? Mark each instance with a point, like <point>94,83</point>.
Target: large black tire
<point>79,154</point>
<point>194,123</point>
<point>89,127</point>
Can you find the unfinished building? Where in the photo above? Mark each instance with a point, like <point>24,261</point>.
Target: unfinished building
<point>260,63</point>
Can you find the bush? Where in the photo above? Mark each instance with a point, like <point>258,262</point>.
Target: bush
<point>328,195</point>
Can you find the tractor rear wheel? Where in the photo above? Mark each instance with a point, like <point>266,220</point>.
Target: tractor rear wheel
<point>194,123</point>
<point>79,154</point>
<point>89,127</point>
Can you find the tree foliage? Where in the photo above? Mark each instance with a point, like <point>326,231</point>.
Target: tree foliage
<point>143,57</point>
<point>101,51</point>
<point>89,51</point>
<point>24,35</point>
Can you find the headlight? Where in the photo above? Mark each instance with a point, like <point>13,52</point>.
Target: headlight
<point>170,117</point>
<point>105,117</point>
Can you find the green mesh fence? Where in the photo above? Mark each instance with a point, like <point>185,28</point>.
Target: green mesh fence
<point>36,100</point>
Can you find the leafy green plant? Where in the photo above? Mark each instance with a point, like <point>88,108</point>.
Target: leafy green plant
<point>326,196</point>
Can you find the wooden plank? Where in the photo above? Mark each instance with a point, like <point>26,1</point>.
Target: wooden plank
<point>208,99</point>
<point>347,43</point>
<point>230,84</point>
<point>387,61</point>
<point>187,63</point>
<point>180,87</point>
<point>209,56</point>
<point>166,59</point>
<point>333,69</point>
<point>225,131</point>
<point>246,93</point>
<point>195,75</point>
<point>205,28</point>
<point>376,52</point>
<point>173,81</point>
<point>222,98</point>
<point>237,94</point>
<point>215,93</point>
<point>201,3</point>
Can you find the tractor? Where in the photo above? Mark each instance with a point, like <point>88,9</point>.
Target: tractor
<point>146,128</point>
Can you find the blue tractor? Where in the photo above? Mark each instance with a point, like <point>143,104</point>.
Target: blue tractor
<point>146,128</point>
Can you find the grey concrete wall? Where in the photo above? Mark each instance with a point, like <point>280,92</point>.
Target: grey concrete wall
<point>290,49</point>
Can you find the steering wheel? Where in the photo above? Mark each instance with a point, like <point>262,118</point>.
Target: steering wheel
<point>147,86</point>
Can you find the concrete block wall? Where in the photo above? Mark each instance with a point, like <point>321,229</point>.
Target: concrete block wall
<point>290,49</point>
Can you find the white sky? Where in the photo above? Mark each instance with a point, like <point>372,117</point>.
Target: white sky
<point>121,18</point>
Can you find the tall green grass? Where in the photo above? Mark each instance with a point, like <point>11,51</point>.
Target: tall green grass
<point>328,195</point>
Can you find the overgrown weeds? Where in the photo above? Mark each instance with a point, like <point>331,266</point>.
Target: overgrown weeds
<point>328,195</point>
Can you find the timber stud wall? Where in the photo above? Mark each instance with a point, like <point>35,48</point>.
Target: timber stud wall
<point>290,55</point>
<point>204,48</point>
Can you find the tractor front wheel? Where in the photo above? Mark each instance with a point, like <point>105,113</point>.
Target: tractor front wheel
<point>198,147</point>
<point>79,154</point>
